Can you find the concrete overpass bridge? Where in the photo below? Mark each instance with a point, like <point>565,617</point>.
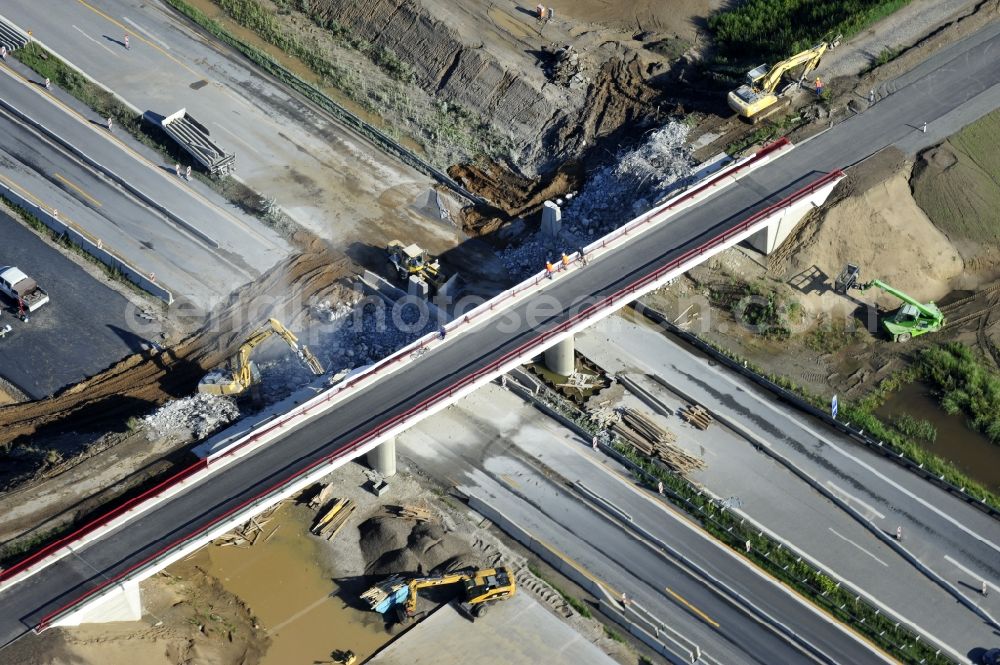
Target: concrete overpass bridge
<point>93,573</point>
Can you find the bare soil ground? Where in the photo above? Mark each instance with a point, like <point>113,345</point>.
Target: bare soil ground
<point>833,345</point>
<point>293,597</point>
<point>190,618</point>
<point>141,381</point>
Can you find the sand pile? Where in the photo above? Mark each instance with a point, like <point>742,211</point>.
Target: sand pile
<point>872,221</point>
<point>390,545</point>
<point>189,619</point>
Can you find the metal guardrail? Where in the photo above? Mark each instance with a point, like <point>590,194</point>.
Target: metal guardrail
<point>625,294</point>
<point>801,404</point>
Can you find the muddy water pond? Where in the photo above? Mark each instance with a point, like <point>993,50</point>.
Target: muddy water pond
<point>970,451</point>
<point>292,596</point>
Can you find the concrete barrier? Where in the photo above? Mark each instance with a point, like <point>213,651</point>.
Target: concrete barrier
<point>582,579</point>
<point>120,180</point>
<point>65,228</point>
<point>820,414</point>
<point>768,450</point>
<point>362,444</point>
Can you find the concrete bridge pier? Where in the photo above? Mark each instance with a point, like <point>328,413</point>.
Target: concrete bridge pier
<point>382,458</point>
<point>560,358</point>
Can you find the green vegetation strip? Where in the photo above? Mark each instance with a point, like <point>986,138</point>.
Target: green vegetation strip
<point>111,272</point>
<point>775,29</point>
<point>964,385</point>
<point>861,416</point>
<point>839,601</point>
<point>105,104</point>
<point>259,20</point>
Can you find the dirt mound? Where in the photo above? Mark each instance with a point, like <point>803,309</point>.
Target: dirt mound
<point>872,221</point>
<point>513,195</point>
<point>197,621</point>
<point>956,184</point>
<point>391,545</point>
<point>143,380</point>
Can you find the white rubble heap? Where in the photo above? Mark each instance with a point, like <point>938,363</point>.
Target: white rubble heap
<point>348,335</point>
<point>613,195</point>
<point>196,416</point>
<point>342,336</point>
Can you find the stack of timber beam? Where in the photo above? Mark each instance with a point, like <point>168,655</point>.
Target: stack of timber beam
<point>332,518</point>
<point>696,415</point>
<point>652,440</point>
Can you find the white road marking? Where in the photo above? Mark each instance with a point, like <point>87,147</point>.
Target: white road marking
<point>846,539</point>
<point>866,466</point>
<point>978,579</point>
<point>851,497</point>
<point>233,134</point>
<point>146,32</point>
<point>95,41</point>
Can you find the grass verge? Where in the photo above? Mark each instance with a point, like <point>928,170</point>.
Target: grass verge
<point>105,104</point>
<point>448,122</point>
<point>861,414</point>
<point>112,273</point>
<point>772,556</point>
<point>774,29</point>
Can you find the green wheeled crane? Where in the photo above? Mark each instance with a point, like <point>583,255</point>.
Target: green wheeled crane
<point>912,319</point>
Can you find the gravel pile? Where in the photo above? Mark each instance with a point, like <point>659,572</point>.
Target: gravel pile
<point>391,545</point>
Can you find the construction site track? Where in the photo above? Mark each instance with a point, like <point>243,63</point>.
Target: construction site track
<point>142,381</point>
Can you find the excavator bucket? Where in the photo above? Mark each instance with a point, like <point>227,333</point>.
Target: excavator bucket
<point>311,361</point>
<point>847,279</point>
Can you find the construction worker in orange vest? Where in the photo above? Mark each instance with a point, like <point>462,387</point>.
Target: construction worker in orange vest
<point>819,87</point>
<point>549,268</point>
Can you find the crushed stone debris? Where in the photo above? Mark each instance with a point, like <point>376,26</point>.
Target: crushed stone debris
<point>197,416</point>
<point>612,196</point>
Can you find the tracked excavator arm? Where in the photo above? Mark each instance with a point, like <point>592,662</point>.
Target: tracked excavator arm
<point>243,374</point>
<point>757,95</point>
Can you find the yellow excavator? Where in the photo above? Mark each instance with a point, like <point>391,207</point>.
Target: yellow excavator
<point>480,589</point>
<point>242,373</point>
<point>757,95</point>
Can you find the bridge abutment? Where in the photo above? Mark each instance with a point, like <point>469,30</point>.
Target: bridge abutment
<point>122,603</point>
<point>560,358</point>
<point>769,239</point>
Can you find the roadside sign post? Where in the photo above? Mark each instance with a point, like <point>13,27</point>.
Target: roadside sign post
<point>833,407</point>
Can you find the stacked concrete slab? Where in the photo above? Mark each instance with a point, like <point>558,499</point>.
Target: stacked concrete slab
<point>11,37</point>
<point>193,137</point>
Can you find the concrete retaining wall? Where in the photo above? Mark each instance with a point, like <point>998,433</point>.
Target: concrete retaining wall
<point>64,228</point>
<point>585,581</point>
<point>114,176</point>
